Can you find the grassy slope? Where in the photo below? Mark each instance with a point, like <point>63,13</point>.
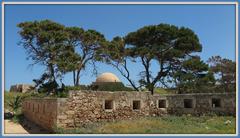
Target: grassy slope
<point>163,91</point>
<point>162,125</point>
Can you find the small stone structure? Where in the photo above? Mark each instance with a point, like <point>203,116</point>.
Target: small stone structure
<point>23,88</point>
<point>83,107</point>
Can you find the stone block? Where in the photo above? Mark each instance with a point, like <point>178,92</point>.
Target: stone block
<point>88,107</point>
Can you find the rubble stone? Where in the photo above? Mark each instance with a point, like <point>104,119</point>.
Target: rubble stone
<point>83,107</point>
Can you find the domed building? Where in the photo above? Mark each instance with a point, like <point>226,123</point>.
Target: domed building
<point>106,78</point>
<point>108,82</point>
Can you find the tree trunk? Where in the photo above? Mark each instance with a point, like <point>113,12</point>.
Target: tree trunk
<point>151,88</point>
<point>74,76</point>
<point>53,78</point>
<point>77,78</point>
<point>135,88</point>
<point>51,69</point>
<point>179,90</point>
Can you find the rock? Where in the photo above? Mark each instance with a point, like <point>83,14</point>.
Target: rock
<point>70,112</point>
<point>227,122</point>
<point>62,117</point>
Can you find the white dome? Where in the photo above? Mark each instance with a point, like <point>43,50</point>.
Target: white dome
<point>107,77</point>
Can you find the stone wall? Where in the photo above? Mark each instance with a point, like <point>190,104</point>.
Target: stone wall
<point>22,88</point>
<point>83,107</point>
<point>41,111</point>
<point>202,103</point>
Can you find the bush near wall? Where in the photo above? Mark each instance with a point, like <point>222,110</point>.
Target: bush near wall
<point>111,86</point>
<point>107,86</point>
<point>10,96</point>
<point>80,87</point>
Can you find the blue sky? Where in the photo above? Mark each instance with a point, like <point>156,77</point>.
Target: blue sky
<point>214,24</point>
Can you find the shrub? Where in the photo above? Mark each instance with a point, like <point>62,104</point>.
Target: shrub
<point>61,94</point>
<point>11,97</point>
<point>80,87</point>
<point>18,118</point>
<point>15,104</point>
<point>48,87</point>
<point>111,86</point>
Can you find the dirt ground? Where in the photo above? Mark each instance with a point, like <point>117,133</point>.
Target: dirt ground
<point>13,128</point>
<point>26,127</point>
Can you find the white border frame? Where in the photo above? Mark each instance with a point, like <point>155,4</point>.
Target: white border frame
<point>122,3</point>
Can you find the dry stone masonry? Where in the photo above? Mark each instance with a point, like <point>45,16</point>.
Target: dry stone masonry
<point>41,111</point>
<point>23,88</point>
<point>83,107</point>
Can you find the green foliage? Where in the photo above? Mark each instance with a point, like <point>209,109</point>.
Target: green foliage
<point>65,91</point>
<point>60,49</point>
<point>85,46</point>
<point>62,94</point>
<point>71,49</point>
<point>15,104</point>
<point>18,118</point>
<point>116,86</point>
<point>116,54</point>
<point>111,86</point>
<point>11,97</point>
<point>164,44</point>
<point>160,125</point>
<point>225,73</point>
<point>164,91</point>
<point>114,50</point>
<point>43,42</point>
<point>48,87</point>
<point>163,40</point>
<point>192,76</point>
<point>80,87</point>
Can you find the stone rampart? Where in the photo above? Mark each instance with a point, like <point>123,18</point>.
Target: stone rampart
<point>23,88</point>
<point>83,107</point>
<point>41,111</point>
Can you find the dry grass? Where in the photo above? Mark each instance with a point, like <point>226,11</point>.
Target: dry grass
<point>161,125</point>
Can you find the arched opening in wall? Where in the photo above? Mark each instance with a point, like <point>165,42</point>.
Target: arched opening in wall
<point>136,105</point>
<point>188,103</point>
